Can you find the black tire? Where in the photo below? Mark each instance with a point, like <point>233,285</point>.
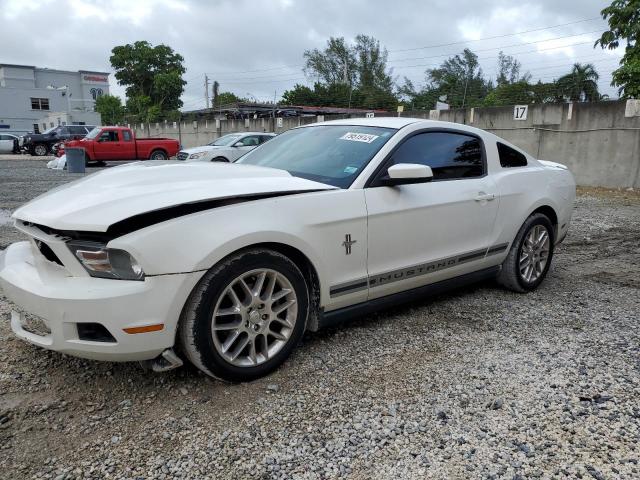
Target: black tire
<point>510,276</point>
<point>158,155</point>
<point>40,149</point>
<point>220,159</point>
<point>195,333</point>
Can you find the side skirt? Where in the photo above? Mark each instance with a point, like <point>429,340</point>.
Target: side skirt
<point>342,314</point>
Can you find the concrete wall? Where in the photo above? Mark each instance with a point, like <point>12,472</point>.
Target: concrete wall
<point>600,142</point>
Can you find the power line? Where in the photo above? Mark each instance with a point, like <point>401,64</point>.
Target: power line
<point>500,47</point>
<point>496,36</point>
<point>238,79</point>
<point>460,42</point>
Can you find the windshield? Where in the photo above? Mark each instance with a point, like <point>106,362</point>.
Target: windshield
<point>331,154</point>
<point>49,130</point>
<point>226,140</point>
<point>93,133</point>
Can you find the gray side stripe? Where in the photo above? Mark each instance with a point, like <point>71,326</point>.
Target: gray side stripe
<point>497,249</point>
<point>348,287</point>
<point>414,271</point>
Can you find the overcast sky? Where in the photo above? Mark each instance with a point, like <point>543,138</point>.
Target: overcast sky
<point>254,47</point>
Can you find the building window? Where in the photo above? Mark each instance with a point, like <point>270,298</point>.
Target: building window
<point>95,93</point>
<point>44,127</point>
<point>39,104</point>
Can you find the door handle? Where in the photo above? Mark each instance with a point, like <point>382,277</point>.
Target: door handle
<point>484,197</point>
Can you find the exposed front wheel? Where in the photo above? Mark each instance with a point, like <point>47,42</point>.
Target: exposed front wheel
<point>245,316</point>
<point>40,150</point>
<point>530,255</point>
<point>158,155</point>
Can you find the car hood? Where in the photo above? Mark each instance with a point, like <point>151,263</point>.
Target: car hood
<point>97,201</point>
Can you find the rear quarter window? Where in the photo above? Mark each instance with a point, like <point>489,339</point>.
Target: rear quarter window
<point>510,158</point>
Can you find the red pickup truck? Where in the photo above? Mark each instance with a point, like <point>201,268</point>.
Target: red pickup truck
<point>119,143</point>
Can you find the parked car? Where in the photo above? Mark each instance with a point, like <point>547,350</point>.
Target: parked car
<point>40,144</point>
<point>227,148</point>
<point>8,143</point>
<point>119,143</point>
<point>233,262</point>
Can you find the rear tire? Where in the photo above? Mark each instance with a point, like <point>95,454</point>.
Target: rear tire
<point>530,255</point>
<point>245,316</point>
<point>158,155</point>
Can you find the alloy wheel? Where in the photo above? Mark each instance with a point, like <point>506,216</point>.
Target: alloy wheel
<point>534,253</point>
<point>254,317</point>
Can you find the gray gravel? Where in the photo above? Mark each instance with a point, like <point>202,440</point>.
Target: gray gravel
<point>480,383</point>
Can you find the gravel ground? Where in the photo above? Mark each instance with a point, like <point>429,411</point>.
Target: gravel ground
<point>479,383</point>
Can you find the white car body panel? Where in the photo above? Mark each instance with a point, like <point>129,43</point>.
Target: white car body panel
<point>363,243</point>
<point>6,143</point>
<point>127,190</point>
<point>209,152</point>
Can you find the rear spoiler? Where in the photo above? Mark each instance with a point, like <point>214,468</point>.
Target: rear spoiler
<point>549,164</point>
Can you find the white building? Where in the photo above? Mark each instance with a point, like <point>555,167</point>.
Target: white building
<point>33,98</point>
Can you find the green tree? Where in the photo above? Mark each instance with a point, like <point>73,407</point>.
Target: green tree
<point>460,78</point>
<point>509,70</point>
<point>225,98</point>
<point>335,64</point>
<point>215,91</point>
<point>546,92</point>
<point>623,17</point>
<point>300,95</point>
<point>152,76</point>
<point>110,109</point>
<point>516,93</point>
<point>353,75</point>
<point>580,84</point>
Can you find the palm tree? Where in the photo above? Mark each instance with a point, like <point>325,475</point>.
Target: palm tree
<point>580,84</point>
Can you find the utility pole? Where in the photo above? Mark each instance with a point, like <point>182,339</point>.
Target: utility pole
<point>206,89</point>
<point>273,111</point>
<point>466,83</point>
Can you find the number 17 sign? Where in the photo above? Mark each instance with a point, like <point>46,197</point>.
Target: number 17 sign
<point>520,112</point>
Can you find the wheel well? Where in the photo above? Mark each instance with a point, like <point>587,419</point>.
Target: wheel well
<point>158,150</point>
<point>308,271</point>
<point>220,156</point>
<point>550,213</point>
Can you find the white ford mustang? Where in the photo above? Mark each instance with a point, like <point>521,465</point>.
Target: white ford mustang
<point>229,264</point>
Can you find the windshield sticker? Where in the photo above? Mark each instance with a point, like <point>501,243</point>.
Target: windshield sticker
<point>350,170</point>
<point>359,137</point>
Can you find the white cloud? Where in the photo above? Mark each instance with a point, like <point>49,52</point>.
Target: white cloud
<point>231,39</point>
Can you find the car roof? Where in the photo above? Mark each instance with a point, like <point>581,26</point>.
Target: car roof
<point>400,122</point>
<point>252,133</point>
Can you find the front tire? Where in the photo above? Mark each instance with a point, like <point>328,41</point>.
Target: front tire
<point>245,316</point>
<point>220,159</point>
<point>530,255</point>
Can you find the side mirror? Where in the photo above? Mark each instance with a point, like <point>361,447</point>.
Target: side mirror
<point>407,173</point>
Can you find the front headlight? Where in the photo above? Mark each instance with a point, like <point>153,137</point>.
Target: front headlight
<point>197,155</point>
<point>103,262</point>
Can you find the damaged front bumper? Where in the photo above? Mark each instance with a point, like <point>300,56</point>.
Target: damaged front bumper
<point>87,316</point>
